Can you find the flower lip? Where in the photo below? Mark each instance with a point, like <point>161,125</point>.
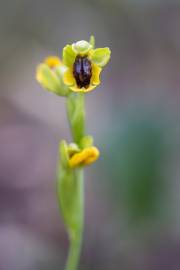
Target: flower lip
<point>84,157</point>
<point>82,71</point>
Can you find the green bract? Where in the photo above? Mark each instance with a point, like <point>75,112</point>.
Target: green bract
<point>70,198</point>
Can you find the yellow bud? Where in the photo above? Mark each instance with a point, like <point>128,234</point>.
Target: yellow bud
<point>53,61</point>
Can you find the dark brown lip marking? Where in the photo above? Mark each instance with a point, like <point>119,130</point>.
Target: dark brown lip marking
<point>82,70</point>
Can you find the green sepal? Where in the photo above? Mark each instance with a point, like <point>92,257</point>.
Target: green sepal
<point>69,56</point>
<point>76,115</point>
<point>50,80</point>
<point>101,56</point>
<point>59,71</point>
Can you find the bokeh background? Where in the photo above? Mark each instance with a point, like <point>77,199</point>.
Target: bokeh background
<point>133,191</point>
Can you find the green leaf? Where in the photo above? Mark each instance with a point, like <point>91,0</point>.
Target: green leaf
<point>68,56</point>
<point>101,56</point>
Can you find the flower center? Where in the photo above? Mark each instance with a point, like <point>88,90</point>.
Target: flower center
<point>82,71</point>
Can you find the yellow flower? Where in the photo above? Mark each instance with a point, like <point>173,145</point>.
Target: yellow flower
<point>78,71</point>
<point>84,65</point>
<point>84,157</point>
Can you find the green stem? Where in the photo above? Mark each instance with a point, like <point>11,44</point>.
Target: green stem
<point>76,117</point>
<point>75,236</point>
<point>74,253</point>
<point>70,193</point>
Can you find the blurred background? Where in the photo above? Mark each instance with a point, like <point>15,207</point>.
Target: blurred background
<point>132,192</point>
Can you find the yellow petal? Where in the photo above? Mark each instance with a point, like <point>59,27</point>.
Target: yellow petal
<point>95,80</point>
<point>85,157</point>
<point>77,159</point>
<point>68,78</point>
<point>53,61</point>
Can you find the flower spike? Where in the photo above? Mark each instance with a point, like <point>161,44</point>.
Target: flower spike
<point>77,73</point>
